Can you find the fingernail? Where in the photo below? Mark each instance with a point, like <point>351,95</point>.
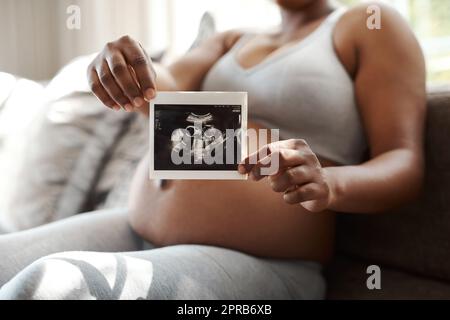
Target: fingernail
<point>116,107</point>
<point>128,107</point>
<point>149,94</point>
<point>138,101</point>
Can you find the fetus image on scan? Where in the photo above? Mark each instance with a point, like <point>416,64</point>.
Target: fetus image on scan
<point>190,137</point>
<point>200,138</point>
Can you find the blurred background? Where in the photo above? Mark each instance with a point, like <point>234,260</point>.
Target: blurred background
<point>63,153</point>
<point>36,42</point>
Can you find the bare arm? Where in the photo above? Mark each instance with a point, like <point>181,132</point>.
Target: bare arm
<point>123,76</point>
<point>390,91</point>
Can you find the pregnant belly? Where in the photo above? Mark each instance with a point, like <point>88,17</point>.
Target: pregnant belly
<point>240,215</point>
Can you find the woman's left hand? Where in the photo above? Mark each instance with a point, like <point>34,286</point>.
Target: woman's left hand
<point>293,169</point>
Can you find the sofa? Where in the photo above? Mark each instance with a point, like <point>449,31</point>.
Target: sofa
<point>411,244</point>
<point>63,153</point>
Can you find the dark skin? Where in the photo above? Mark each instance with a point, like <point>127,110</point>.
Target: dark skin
<point>388,70</point>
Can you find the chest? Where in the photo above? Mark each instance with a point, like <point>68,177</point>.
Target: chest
<point>262,48</point>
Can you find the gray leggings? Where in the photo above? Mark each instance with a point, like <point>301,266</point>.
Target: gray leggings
<point>97,256</point>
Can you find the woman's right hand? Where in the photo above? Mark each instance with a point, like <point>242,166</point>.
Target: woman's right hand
<point>122,75</point>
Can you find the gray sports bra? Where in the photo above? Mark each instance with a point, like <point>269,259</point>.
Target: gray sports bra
<point>304,91</point>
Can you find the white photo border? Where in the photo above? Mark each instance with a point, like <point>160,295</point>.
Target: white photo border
<point>199,98</point>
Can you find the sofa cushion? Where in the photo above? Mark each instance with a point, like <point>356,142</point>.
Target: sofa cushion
<point>114,181</point>
<point>415,237</point>
<point>54,139</point>
<point>104,127</point>
<point>58,157</point>
<point>21,102</point>
<point>346,279</point>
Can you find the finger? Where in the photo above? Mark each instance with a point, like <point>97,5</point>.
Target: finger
<point>291,177</point>
<point>310,191</point>
<point>287,144</point>
<point>124,79</point>
<point>251,160</point>
<point>100,92</point>
<point>145,107</point>
<point>277,162</point>
<point>300,146</point>
<point>112,88</point>
<point>142,66</point>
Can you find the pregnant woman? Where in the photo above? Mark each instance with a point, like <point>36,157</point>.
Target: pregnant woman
<point>350,105</point>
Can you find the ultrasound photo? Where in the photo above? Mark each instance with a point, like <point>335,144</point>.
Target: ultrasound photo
<point>197,137</point>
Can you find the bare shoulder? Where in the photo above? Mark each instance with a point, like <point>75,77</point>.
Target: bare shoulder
<point>360,12</point>
<point>375,33</point>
